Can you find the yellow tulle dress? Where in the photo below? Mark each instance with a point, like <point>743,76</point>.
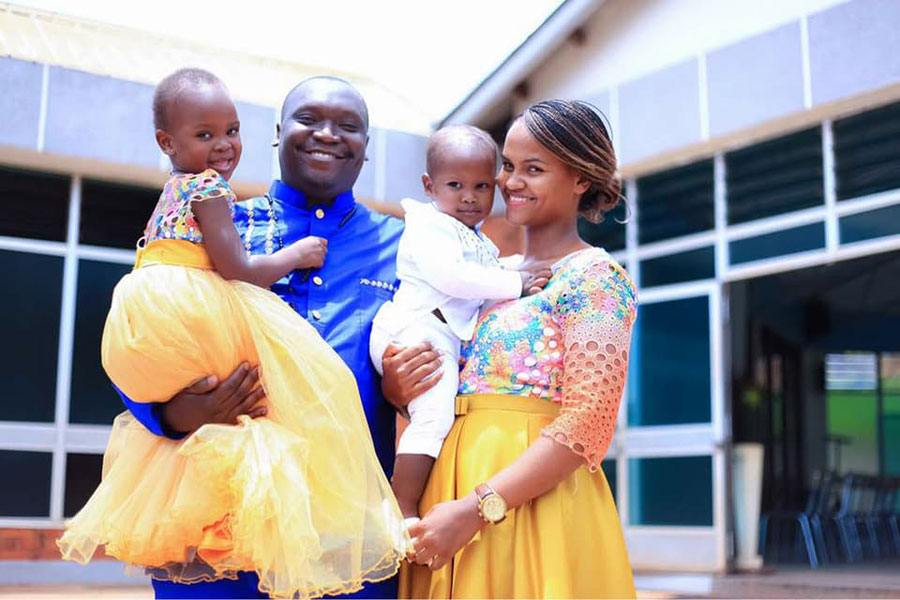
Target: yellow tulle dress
<point>552,364</point>
<point>297,496</point>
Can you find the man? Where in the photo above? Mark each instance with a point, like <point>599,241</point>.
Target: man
<point>322,140</point>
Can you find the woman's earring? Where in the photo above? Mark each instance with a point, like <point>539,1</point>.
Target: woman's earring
<point>275,143</point>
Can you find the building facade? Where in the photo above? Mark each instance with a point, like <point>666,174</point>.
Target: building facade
<point>757,141</point>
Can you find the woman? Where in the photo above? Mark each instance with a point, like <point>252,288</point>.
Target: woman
<point>517,505</point>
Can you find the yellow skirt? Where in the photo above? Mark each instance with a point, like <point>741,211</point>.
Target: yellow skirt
<point>565,544</point>
<point>297,496</point>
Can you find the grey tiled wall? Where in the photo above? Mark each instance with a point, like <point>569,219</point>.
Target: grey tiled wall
<point>257,133</point>
<point>20,102</point>
<point>100,117</point>
<point>405,163</point>
<point>853,48</point>
<point>755,80</point>
<point>659,112</point>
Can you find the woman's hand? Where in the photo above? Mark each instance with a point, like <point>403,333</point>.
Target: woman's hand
<point>408,373</point>
<point>208,401</point>
<point>444,531</point>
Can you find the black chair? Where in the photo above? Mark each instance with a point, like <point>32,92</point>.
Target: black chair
<point>776,524</point>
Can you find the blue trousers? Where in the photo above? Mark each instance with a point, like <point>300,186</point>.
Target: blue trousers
<point>246,586</point>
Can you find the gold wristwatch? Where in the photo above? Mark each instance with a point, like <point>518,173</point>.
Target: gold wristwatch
<point>491,505</point>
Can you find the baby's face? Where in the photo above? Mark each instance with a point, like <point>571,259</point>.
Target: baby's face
<point>462,185</point>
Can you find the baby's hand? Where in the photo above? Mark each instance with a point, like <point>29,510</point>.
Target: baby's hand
<point>310,252</point>
<point>534,281</point>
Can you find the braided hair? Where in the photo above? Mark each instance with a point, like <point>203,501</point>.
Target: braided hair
<point>575,133</point>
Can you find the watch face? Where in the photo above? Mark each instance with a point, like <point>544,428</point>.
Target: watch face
<point>493,508</point>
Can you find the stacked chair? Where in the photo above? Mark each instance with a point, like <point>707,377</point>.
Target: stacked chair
<point>847,518</point>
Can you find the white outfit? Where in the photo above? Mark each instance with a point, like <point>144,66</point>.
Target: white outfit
<point>442,264</point>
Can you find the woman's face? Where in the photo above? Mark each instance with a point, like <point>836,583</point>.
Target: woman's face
<point>538,187</point>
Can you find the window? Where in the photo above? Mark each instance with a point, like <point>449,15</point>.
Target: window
<point>867,152</point>
<point>93,399</point>
<point>869,225</point>
<point>779,243</point>
<point>82,478</point>
<point>675,268</point>
<point>775,177</point>
<point>609,470</point>
<point>676,202</point>
<point>35,205</point>
<point>27,493</point>
<point>670,491</point>
<point>29,318</point>
<point>113,214</point>
<point>669,382</point>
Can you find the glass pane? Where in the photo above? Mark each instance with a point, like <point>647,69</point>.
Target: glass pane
<point>113,214</point>
<point>890,385</point>
<point>685,266</point>
<point>779,243</point>
<point>872,224</point>
<point>676,202</point>
<point>35,205</point>
<point>610,234</point>
<point>29,320</point>
<point>82,478</point>
<point>867,152</point>
<point>93,399</point>
<point>670,491</point>
<point>609,469</point>
<point>851,401</point>
<point>28,491</point>
<point>669,382</point>
<point>775,177</point>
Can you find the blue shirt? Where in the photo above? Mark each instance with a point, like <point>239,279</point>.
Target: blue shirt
<point>339,300</point>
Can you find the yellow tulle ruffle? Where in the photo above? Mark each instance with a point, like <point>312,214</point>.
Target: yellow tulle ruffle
<point>297,496</point>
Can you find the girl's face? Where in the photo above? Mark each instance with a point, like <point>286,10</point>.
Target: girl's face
<point>538,187</point>
<point>202,131</point>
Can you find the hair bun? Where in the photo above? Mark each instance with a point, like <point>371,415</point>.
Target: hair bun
<point>601,198</point>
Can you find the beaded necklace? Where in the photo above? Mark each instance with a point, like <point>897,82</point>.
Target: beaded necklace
<point>271,228</point>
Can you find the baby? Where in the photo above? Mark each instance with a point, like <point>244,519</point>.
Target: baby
<point>447,270</point>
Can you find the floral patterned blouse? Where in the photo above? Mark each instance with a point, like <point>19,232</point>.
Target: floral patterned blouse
<point>173,219</point>
<point>567,344</point>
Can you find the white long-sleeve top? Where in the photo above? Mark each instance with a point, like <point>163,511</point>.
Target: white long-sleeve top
<point>443,264</point>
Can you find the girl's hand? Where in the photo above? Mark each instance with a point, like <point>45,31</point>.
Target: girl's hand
<point>310,252</point>
<point>534,281</point>
<point>444,531</point>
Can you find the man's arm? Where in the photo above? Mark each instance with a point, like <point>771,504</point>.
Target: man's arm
<point>205,401</point>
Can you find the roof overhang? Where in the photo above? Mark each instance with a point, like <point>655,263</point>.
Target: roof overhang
<point>486,103</point>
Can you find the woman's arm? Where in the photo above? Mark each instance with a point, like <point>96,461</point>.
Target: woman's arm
<point>227,253</point>
<point>596,337</point>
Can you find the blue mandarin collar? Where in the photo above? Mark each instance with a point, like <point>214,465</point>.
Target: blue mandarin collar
<point>342,205</point>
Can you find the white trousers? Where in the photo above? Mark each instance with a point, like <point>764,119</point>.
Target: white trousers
<point>432,413</point>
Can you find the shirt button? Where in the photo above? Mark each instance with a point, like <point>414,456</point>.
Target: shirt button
<point>316,315</point>
<point>320,214</point>
<point>317,280</point>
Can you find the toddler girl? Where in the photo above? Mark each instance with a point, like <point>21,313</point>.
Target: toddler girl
<point>297,496</point>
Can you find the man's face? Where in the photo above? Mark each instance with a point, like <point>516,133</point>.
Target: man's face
<point>322,139</point>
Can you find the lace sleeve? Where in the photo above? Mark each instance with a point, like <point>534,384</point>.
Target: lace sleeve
<point>596,312</point>
<point>208,184</point>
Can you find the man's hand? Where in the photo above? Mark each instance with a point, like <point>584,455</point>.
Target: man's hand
<point>208,401</point>
<point>408,373</point>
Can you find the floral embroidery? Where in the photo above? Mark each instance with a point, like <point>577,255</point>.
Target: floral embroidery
<point>568,344</point>
<point>173,219</point>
